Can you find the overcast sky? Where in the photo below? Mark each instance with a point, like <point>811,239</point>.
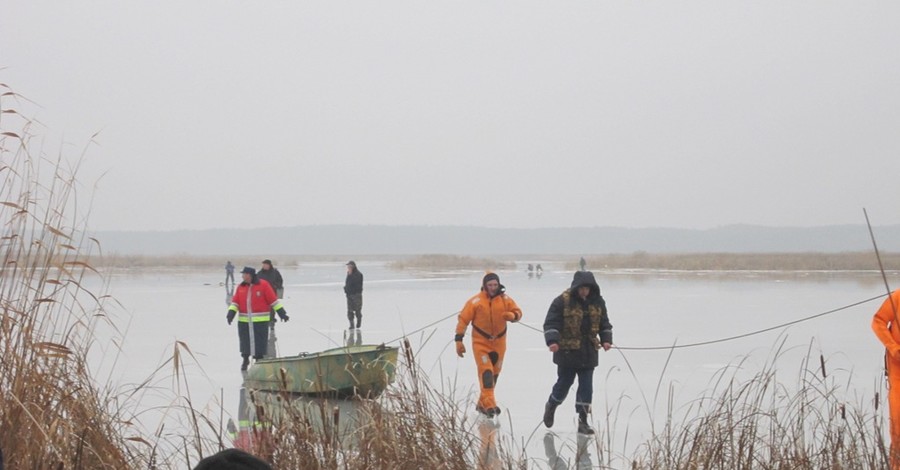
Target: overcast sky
<point>695,114</point>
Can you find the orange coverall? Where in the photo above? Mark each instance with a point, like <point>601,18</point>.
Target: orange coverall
<point>488,316</point>
<point>885,326</point>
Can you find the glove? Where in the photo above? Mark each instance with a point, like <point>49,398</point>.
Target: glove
<point>282,314</point>
<point>509,316</point>
<point>460,348</point>
<point>230,316</point>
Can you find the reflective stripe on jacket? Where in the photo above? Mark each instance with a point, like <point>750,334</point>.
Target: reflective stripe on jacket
<point>253,301</point>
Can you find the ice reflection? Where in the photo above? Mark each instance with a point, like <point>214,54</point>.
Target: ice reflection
<point>488,456</point>
<point>353,337</point>
<point>581,459</point>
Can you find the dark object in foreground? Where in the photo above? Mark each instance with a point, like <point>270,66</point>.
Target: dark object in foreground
<point>232,459</point>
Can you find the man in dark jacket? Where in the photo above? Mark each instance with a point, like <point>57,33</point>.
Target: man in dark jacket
<point>353,287</point>
<point>576,327</point>
<point>273,277</point>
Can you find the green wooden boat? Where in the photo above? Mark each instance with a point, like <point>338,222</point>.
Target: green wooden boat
<point>358,370</point>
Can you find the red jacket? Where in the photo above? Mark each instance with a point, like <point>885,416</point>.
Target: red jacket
<point>253,301</point>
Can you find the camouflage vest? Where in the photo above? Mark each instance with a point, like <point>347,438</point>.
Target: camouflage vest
<point>572,315</point>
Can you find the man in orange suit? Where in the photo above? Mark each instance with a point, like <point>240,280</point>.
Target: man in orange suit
<point>488,312</point>
<point>886,327</point>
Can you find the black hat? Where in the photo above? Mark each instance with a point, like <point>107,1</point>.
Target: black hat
<point>267,261</point>
<point>351,263</point>
<point>248,270</point>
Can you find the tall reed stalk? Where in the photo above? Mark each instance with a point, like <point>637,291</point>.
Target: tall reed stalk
<point>763,422</point>
<point>52,413</point>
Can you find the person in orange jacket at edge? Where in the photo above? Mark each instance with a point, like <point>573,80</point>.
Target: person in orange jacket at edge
<point>253,299</point>
<point>488,312</point>
<point>886,328</point>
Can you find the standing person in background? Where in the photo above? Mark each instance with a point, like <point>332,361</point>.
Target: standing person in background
<point>253,299</point>
<point>273,277</point>
<point>487,311</point>
<point>582,264</point>
<point>229,273</point>
<point>576,327</point>
<point>353,288</point>
<point>886,328</point>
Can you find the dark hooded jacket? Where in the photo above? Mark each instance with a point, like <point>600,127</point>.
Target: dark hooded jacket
<point>578,341</point>
<point>353,284</point>
<point>272,276</point>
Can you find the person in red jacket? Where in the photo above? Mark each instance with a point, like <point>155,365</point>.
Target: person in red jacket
<point>252,300</point>
<point>488,311</point>
<point>886,328</point>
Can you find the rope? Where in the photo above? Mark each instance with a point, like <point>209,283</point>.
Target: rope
<point>731,338</point>
<point>679,346</point>
<point>423,328</point>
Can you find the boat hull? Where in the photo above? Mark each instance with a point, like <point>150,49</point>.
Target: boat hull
<point>360,370</point>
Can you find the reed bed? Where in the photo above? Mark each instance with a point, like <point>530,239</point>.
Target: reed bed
<point>811,261</point>
<point>438,262</point>
<point>763,422</point>
<point>53,413</point>
<point>411,426</point>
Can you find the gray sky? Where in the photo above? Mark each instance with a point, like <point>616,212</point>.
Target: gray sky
<point>504,114</point>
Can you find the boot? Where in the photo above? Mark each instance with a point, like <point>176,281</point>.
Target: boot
<point>549,412</point>
<point>583,426</point>
<point>486,412</point>
<point>358,322</point>
<point>245,363</point>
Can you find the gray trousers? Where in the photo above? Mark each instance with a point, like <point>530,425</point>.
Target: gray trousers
<point>354,309</point>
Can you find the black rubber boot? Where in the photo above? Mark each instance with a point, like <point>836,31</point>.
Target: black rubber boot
<point>245,363</point>
<point>487,412</point>
<point>583,426</point>
<point>549,412</point>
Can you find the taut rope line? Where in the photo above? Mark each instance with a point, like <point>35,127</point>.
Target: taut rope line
<point>731,338</point>
<point>680,346</point>
<point>424,327</point>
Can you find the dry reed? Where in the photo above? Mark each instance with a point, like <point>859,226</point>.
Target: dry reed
<point>765,423</point>
<point>58,413</point>
<point>435,262</point>
<point>411,426</point>
<point>848,261</point>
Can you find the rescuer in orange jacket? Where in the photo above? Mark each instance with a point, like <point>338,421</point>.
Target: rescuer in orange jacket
<point>252,299</point>
<point>886,328</point>
<point>488,312</point>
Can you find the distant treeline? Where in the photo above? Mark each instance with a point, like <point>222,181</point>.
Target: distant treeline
<point>378,240</point>
<point>855,261</point>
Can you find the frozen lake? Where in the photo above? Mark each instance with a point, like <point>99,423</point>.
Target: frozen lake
<point>647,309</point>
